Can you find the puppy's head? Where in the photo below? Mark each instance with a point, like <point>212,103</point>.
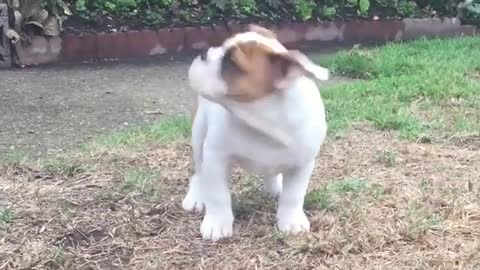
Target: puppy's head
<point>248,66</point>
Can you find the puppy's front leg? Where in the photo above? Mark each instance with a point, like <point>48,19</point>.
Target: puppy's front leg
<point>214,189</point>
<point>290,215</point>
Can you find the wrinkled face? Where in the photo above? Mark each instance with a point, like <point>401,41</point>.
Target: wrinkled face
<point>249,66</point>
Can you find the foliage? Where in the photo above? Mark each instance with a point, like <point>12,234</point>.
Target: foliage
<point>161,12</point>
<point>470,12</point>
<point>46,16</point>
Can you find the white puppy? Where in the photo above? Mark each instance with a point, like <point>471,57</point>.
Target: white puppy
<point>259,109</point>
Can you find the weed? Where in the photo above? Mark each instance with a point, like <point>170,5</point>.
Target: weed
<point>348,185</point>
<point>141,181</point>
<point>57,260</point>
<point>324,198</point>
<point>176,128</point>
<point>377,191</point>
<point>386,157</point>
<point>420,220</point>
<point>61,166</point>
<point>14,158</point>
<point>6,215</point>
<point>321,198</point>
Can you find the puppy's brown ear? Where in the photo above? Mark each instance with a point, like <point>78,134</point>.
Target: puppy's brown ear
<point>261,31</point>
<point>293,64</point>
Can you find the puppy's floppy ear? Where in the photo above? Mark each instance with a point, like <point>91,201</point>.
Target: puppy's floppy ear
<point>293,64</point>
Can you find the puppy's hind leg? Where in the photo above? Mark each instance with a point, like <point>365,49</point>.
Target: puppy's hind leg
<point>193,201</point>
<point>273,185</point>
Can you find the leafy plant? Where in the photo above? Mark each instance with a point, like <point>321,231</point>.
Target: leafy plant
<point>406,8</point>
<point>363,6</point>
<point>328,12</point>
<point>221,4</point>
<point>304,9</point>
<point>242,7</point>
<point>469,12</point>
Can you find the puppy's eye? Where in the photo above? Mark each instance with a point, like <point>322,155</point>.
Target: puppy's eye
<point>229,66</point>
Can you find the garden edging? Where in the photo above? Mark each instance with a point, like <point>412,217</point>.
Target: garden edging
<point>174,41</point>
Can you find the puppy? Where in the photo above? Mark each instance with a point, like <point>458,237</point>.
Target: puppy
<point>259,109</point>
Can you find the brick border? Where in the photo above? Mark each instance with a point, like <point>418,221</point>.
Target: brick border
<point>187,40</point>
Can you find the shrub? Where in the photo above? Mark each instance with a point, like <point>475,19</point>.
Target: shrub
<point>161,12</point>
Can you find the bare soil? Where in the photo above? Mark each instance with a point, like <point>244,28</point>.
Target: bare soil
<point>50,109</point>
<point>420,209</point>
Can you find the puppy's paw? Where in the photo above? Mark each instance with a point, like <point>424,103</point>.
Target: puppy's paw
<point>216,227</point>
<point>273,185</point>
<point>293,222</point>
<point>192,202</point>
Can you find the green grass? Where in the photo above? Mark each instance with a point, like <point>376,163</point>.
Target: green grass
<point>420,220</point>
<point>6,215</point>
<point>141,181</point>
<point>416,88</point>
<point>61,166</point>
<point>325,197</point>
<point>164,131</point>
<point>386,157</point>
<point>14,158</point>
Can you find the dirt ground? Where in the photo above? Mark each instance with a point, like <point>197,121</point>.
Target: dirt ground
<point>375,203</point>
<point>48,109</point>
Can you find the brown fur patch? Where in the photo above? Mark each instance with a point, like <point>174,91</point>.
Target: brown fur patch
<point>251,69</point>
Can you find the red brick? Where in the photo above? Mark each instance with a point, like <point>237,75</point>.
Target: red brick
<point>235,28</point>
<point>144,43</point>
<point>113,45</point>
<point>219,35</point>
<point>323,32</point>
<point>288,35</point>
<point>373,31</point>
<point>79,47</point>
<point>172,39</point>
<point>196,38</point>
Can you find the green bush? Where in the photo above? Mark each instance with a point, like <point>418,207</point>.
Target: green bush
<point>161,12</point>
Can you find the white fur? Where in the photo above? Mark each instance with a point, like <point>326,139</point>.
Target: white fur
<point>277,136</point>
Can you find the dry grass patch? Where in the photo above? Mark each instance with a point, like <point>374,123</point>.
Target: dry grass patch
<point>375,203</point>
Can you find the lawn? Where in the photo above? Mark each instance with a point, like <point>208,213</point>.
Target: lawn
<point>395,187</point>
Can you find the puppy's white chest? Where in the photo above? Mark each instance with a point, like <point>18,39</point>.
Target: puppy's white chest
<point>259,153</point>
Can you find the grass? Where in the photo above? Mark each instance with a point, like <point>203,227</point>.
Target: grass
<point>416,88</point>
<point>14,158</point>
<point>141,181</point>
<point>326,196</point>
<point>175,128</point>
<point>61,165</point>
<point>6,215</point>
<point>386,157</point>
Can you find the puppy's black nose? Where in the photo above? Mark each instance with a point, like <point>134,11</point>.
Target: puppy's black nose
<point>203,54</point>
